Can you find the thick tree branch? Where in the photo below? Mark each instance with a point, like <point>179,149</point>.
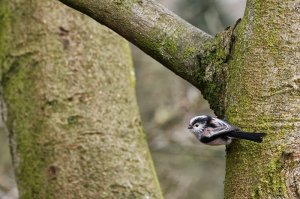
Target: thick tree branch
<point>184,49</point>
<point>157,31</point>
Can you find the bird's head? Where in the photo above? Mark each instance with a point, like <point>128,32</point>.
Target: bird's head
<point>198,123</point>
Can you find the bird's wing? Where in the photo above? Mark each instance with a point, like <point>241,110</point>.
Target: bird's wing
<point>209,134</point>
<point>215,122</point>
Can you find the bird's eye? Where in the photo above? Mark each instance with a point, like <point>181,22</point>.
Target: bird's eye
<point>196,125</point>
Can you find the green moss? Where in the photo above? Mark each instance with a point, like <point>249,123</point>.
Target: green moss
<point>25,122</point>
<point>150,46</point>
<point>26,125</point>
<point>212,73</point>
<point>267,168</point>
<point>271,180</point>
<point>247,97</point>
<point>5,21</point>
<point>170,46</point>
<point>189,51</point>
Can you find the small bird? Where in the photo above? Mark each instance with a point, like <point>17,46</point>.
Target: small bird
<point>213,131</point>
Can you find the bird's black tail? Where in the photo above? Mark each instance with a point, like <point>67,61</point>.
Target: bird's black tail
<point>255,137</point>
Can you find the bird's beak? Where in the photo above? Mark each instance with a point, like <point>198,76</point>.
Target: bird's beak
<point>190,127</point>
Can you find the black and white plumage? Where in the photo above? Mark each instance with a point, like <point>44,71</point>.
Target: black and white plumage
<point>213,131</point>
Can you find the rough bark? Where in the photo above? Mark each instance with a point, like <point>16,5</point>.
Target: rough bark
<point>72,116</point>
<point>264,95</point>
<point>252,74</point>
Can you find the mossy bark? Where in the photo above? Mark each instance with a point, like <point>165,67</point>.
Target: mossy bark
<point>72,116</point>
<point>263,95</point>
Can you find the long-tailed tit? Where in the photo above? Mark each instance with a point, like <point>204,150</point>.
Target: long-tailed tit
<point>213,131</point>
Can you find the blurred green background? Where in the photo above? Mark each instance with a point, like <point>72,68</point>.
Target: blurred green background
<point>186,168</point>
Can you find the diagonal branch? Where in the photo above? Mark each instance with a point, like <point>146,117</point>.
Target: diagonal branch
<point>184,49</point>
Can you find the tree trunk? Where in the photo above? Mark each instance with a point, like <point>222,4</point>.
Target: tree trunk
<point>72,116</point>
<point>263,95</point>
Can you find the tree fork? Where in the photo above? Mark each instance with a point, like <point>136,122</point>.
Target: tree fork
<point>189,52</point>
